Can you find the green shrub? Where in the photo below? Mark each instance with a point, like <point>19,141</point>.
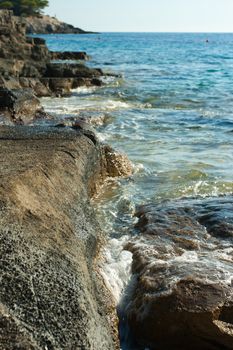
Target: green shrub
<point>24,7</point>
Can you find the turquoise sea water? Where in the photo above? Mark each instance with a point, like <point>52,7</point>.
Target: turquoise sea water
<point>171,112</point>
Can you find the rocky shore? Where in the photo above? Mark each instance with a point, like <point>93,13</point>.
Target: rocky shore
<point>28,70</point>
<point>51,296</point>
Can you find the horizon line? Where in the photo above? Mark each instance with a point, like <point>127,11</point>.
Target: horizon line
<point>162,32</point>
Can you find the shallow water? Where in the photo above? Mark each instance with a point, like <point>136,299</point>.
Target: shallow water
<point>171,112</point>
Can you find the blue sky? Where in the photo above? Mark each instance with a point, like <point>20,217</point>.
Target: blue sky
<point>146,15</point>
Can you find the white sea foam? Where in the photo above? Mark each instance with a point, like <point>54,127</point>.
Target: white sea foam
<point>116,268</point>
<point>75,104</point>
<point>101,136</point>
<point>187,256</point>
<point>139,167</point>
<point>84,89</point>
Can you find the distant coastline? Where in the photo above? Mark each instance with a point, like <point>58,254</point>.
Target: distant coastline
<point>45,24</point>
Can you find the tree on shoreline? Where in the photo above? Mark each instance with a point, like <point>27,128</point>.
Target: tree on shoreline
<point>24,7</point>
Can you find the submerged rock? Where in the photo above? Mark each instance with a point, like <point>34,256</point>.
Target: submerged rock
<point>69,55</point>
<point>183,264</point>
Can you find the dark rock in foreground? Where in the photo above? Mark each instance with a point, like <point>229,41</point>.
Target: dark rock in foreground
<point>183,265</point>
<point>50,296</point>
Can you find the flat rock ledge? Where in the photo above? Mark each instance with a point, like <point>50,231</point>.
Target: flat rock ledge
<point>50,296</point>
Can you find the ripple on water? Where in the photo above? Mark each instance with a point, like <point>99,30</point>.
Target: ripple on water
<point>172,113</point>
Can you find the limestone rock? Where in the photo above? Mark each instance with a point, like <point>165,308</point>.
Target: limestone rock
<point>49,242</point>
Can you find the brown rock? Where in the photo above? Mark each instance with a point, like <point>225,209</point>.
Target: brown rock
<point>187,317</point>
<point>65,70</point>
<point>116,164</point>
<point>49,242</point>
<point>25,62</point>
<point>182,263</point>
<point>21,106</point>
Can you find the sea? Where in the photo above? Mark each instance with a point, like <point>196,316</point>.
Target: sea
<point>170,110</point>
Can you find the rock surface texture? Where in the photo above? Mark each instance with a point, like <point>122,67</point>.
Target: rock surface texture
<point>49,295</point>
<point>183,275</point>
<point>25,63</point>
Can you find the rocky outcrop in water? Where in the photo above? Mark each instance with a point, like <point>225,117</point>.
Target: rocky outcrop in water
<point>115,163</point>
<point>67,55</point>
<point>50,239</point>
<point>50,295</point>
<point>183,272</point>
<point>25,63</point>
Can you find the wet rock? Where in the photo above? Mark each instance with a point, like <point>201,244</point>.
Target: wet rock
<point>65,70</point>
<point>50,239</point>
<point>98,120</point>
<point>185,318</point>
<point>182,262</point>
<point>115,164</point>
<point>63,86</point>
<point>96,82</point>
<point>69,55</point>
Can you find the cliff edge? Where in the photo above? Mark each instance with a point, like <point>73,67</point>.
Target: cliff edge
<point>45,24</point>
